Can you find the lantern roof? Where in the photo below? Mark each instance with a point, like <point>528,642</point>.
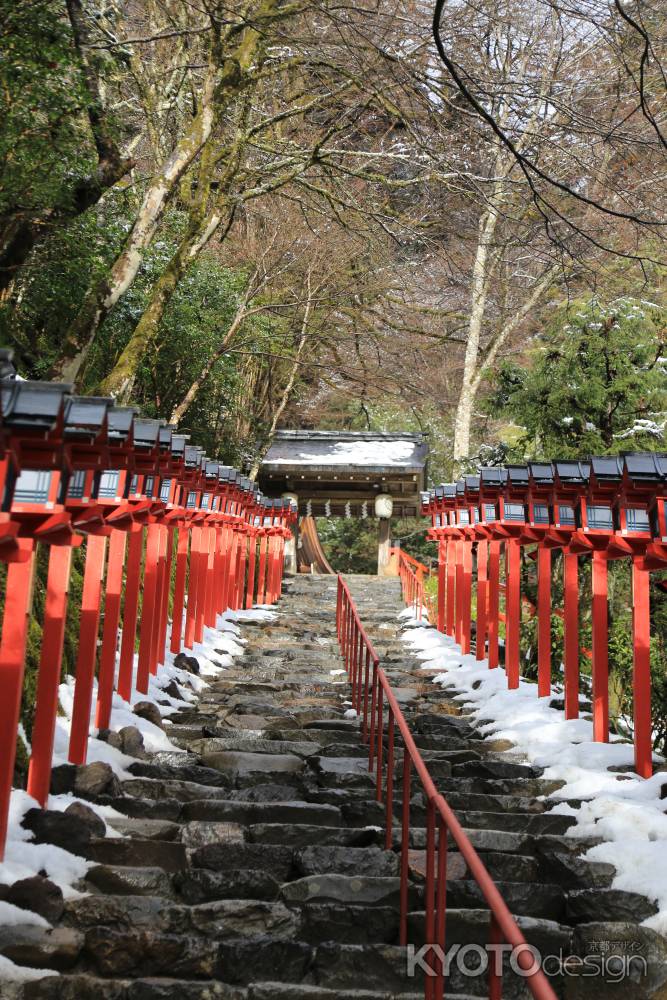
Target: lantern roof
<point>33,406</point>
<point>645,466</point>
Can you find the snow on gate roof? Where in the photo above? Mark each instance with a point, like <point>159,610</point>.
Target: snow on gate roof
<point>354,449</point>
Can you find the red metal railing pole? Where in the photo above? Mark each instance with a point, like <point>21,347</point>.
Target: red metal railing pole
<point>641,675</point>
<point>482,598</point>
<point>379,742</point>
<point>429,892</point>
<point>513,612</point>
<point>494,601</point>
<point>179,588</point>
<point>87,653</point>
<point>48,678</point>
<point>600,666</point>
<point>112,599</point>
<point>571,642</point>
<point>495,962</point>
<point>366,679</point>
<point>543,621</point>
<point>405,847</point>
<point>12,664</point>
<point>441,908</point>
<point>389,800</point>
<point>132,584</point>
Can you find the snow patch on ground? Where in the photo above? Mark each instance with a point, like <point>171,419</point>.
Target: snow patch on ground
<point>24,858</point>
<point>10,973</point>
<point>622,808</point>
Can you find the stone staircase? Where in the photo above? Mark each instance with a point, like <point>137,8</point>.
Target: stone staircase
<point>253,867</point>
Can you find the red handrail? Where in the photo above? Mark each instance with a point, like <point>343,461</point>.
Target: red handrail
<point>371,691</point>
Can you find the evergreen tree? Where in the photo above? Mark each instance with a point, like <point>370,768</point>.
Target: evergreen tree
<point>595,385</point>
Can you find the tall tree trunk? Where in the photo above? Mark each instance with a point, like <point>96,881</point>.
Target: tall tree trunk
<point>464,409</point>
<point>120,381</point>
<point>220,87</point>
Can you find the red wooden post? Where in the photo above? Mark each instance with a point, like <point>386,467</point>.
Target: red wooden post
<point>85,661</point>
<point>513,612</point>
<point>641,677</point>
<point>114,587</point>
<point>600,667</point>
<point>193,584</point>
<point>458,631</point>
<point>482,597</point>
<point>132,583</point>
<point>466,596</point>
<point>148,607</point>
<point>179,588</point>
<point>451,587</point>
<point>211,596</point>
<point>203,584</point>
<point>442,583</point>
<point>240,593</point>
<point>230,587</point>
<point>571,643</point>
<point>159,594</point>
<point>48,678</point>
<point>543,621</point>
<point>261,581</point>
<point>494,601</point>
<point>166,593</point>
<point>12,663</point>
<point>250,590</point>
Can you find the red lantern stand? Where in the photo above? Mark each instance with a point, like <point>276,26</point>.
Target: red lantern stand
<point>144,491</point>
<point>643,536</point>
<point>119,514</point>
<point>429,502</point>
<point>254,528</point>
<point>463,573</point>
<point>491,484</point>
<point>263,550</point>
<point>167,509</point>
<point>447,510</point>
<point>478,542</point>
<point>512,523</point>
<point>196,576</point>
<point>595,535</point>
<point>570,485</point>
<point>540,522</point>
<point>185,475</point>
<point>33,415</point>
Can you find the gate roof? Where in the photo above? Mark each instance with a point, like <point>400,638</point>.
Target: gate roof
<point>347,467</point>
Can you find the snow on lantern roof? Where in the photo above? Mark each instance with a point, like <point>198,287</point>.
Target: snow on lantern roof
<point>353,449</point>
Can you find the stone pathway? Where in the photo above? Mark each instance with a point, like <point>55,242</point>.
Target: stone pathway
<point>253,867</point>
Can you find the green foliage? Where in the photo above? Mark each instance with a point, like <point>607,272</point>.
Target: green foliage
<point>55,280</point>
<point>596,386</point>
<point>350,544</point>
<point>44,132</point>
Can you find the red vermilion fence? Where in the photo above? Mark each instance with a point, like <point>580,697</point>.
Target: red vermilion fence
<point>160,525</point>
<point>606,508</point>
<point>389,740</point>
